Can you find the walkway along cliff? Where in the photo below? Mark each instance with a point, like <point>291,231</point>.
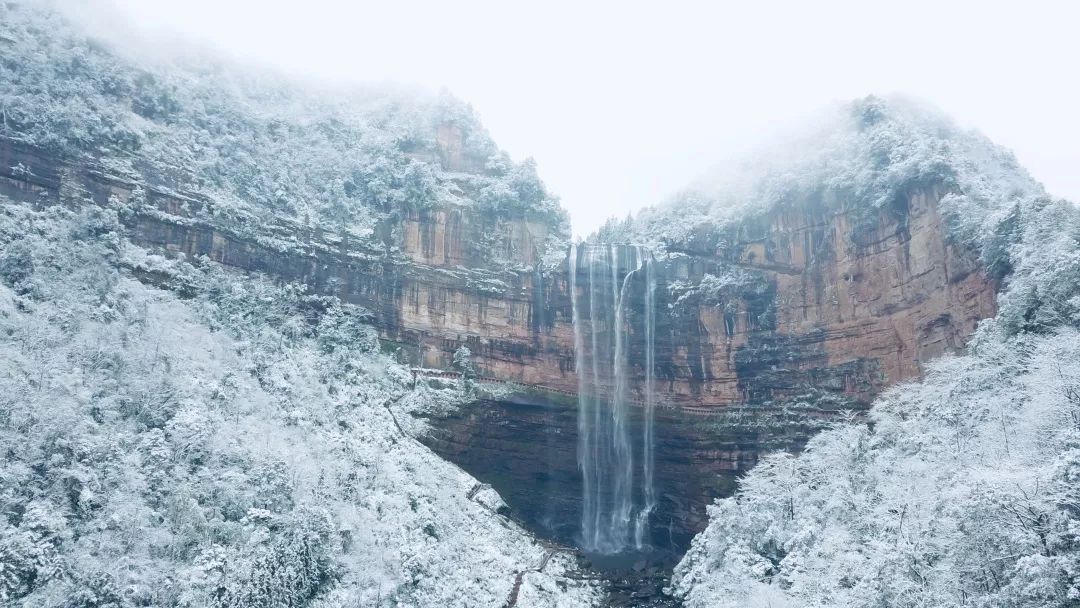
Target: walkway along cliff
<point>823,309</point>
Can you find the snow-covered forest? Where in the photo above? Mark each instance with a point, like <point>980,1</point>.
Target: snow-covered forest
<point>263,149</point>
<point>962,489</point>
<point>224,442</point>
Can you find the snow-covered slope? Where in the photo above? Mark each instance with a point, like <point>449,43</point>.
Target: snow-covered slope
<point>224,442</point>
<point>963,489</point>
<point>859,155</point>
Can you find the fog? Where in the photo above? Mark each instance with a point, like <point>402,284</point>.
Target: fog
<point>622,104</point>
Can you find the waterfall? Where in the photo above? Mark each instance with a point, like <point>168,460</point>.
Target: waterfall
<point>615,513</point>
<point>648,489</point>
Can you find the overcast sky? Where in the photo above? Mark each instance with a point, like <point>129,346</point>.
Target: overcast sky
<point>622,104</point>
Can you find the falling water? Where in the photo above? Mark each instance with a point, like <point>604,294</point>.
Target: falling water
<point>615,513</point>
<point>641,525</point>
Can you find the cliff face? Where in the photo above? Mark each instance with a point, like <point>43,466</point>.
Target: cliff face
<point>849,305</point>
<point>833,307</point>
<point>836,307</point>
<point>838,304</point>
<point>829,302</point>
<point>434,279</point>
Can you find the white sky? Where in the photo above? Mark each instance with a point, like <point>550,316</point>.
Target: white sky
<point>623,103</point>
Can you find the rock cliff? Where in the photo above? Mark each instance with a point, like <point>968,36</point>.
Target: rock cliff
<point>826,307</point>
<point>829,305</point>
<point>831,308</point>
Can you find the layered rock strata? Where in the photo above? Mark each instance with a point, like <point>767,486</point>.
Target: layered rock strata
<point>840,307</point>
<point>834,302</point>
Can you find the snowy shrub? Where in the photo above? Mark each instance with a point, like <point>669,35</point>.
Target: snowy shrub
<point>724,291</point>
<point>30,552</point>
<point>463,361</point>
<point>284,565</point>
<point>16,266</point>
